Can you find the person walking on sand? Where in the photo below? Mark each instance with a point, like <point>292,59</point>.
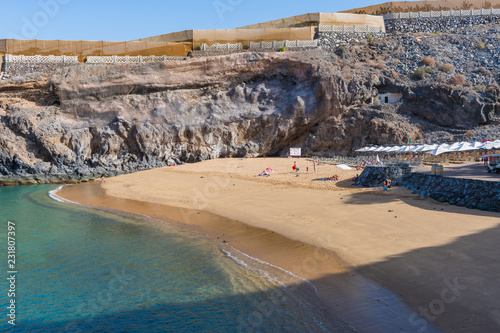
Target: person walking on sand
<point>102,179</point>
<point>294,168</point>
<point>314,166</point>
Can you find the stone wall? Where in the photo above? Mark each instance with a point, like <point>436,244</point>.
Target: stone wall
<point>18,69</point>
<point>436,24</point>
<point>374,176</point>
<point>470,193</point>
<point>331,40</point>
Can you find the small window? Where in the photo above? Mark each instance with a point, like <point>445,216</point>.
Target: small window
<point>386,99</point>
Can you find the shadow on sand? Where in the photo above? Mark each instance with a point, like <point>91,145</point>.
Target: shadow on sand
<point>464,299</point>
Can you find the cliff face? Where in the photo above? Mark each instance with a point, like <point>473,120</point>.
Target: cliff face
<point>105,120</point>
<point>92,120</point>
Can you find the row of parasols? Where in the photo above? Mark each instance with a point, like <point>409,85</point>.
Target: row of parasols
<point>434,149</point>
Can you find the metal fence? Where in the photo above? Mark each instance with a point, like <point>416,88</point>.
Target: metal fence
<point>38,59</point>
<point>291,45</point>
<point>130,59</point>
<point>50,59</point>
<point>442,13</point>
<point>350,28</point>
<point>222,47</point>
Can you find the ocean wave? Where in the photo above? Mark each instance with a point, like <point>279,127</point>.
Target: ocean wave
<point>53,195</point>
<point>264,272</point>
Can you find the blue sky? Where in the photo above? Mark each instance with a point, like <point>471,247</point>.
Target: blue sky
<point>114,20</point>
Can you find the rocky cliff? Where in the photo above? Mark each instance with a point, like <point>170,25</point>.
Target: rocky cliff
<point>89,120</point>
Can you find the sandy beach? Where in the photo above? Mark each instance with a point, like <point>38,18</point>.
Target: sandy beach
<point>441,260</point>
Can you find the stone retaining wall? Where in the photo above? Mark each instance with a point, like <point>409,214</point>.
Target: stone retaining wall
<point>18,69</point>
<point>374,176</point>
<point>470,193</point>
<point>331,40</point>
<point>436,24</point>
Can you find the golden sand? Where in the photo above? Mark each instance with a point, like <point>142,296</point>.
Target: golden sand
<point>415,247</point>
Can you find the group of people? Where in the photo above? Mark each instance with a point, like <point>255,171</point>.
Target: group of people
<point>334,177</point>
<point>295,167</point>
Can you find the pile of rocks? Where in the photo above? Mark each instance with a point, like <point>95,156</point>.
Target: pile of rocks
<point>437,24</point>
<point>331,40</point>
<point>470,193</point>
<point>473,52</point>
<point>374,176</point>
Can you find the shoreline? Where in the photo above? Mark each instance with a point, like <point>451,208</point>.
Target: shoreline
<point>329,275</point>
<point>369,252</point>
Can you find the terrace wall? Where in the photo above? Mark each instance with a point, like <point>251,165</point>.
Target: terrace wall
<point>470,193</point>
<point>439,21</point>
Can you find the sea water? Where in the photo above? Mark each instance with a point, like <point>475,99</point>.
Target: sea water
<point>85,270</point>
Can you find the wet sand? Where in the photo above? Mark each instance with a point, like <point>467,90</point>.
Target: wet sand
<point>328,233</point>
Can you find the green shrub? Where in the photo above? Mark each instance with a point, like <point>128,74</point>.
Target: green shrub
<point>370,38</point>
<point>418,74</point>
<point>480,88</point>
<point>282,49</point>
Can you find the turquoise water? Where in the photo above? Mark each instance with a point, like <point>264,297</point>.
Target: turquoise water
<point>83,270</point>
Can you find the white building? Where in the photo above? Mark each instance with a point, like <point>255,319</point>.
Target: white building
<point>389,98</point>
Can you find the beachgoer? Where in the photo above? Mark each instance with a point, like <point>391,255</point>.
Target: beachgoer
<point>307,169</point>
<point>314,165</point>
<point>294,168</point>
<point>102,179</point>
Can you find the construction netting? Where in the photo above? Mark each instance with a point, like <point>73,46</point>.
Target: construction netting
<point>95,48</point>
<point>3,46</point>
<point>316,19</point>
<point>352,19</point>
<point>289,22</point>
<point>245,36</point>
<point>174,37</point>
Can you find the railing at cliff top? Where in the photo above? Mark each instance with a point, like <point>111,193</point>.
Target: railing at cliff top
<point>276,45</point>
<point>129,59</point>
<point>38,59</point>
<point>441,14</point>
<point>222,47</point>
<point>350,28</point>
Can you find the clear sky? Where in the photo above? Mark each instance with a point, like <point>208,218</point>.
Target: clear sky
<point>119,20</point>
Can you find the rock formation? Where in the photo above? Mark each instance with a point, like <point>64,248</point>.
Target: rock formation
<point>90,120</point>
